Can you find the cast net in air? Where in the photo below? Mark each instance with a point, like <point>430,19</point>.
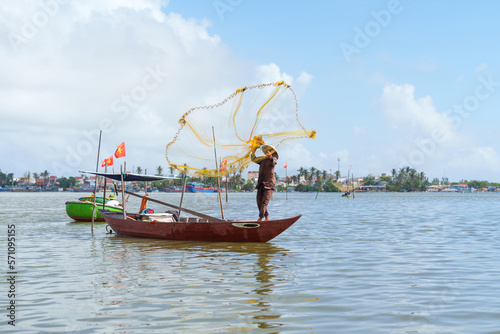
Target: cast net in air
<point>244,121</point>
<point>348,185</point>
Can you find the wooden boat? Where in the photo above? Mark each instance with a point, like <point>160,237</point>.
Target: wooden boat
<point>167,225</point>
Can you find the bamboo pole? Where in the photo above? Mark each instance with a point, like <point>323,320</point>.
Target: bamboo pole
<point>182,196</point>
<point>104,193</point>
<point>123,193</point>
<point>146,184</point>
<point>227,189</point>
<point>218,177</point>
<point>95,186</point>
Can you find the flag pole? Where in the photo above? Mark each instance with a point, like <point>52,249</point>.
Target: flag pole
<point>123,192</point>
<point>95,186</point>
<point>105,179</point>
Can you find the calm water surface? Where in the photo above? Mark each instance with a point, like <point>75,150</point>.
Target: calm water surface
<point>378,263</point>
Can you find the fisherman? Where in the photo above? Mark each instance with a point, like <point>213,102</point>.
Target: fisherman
<point>266,180</point>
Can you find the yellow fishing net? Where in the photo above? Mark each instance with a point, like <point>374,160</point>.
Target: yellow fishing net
<point>245,120</point>
<point>347,186</point>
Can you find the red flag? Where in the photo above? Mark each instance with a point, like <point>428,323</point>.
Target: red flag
<point>120,151</point>
<point>286,163</point>
<point>223,165</point>
<point>107,162</point>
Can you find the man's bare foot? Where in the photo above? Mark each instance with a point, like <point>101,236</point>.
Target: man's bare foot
<point>259,220</point>
<point>267,218</point>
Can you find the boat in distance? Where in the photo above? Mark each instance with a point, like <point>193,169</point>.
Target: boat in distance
<point>166,226</point>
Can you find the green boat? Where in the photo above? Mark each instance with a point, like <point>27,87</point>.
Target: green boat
<point>82,210</point>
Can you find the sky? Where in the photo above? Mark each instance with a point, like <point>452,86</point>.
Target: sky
<point>386,84</point>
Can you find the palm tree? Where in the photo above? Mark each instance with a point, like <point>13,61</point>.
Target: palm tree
<point>301,171</point>
<point>306,175</point>
<point>159,170</point>
<point>318,176</point>
<point>184,171</point>
<point>139,170</point>
<point>313,172</point>
<point>172,169</point>
<point>422,176</point>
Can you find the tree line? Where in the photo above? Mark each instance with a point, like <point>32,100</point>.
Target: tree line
<point>404,179</point>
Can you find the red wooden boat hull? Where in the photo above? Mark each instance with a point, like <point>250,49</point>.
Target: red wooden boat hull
<point>200,229</point>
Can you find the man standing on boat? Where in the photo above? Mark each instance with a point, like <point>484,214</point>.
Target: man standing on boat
<point>266,180</point>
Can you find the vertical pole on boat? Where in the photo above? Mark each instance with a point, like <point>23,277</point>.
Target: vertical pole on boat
<point>146,184</point>
<point>95,186</point>
<point>123,193</point>
<point>218,177</point>
<point>227,189</point>
<point>105,179</point>
<point>182,196</point>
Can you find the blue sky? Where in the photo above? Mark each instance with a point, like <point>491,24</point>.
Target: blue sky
<point>385,84</point>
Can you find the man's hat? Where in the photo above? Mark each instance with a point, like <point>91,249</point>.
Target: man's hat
<point>270,148</point>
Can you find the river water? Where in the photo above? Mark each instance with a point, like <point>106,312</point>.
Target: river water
<point>376,263</point>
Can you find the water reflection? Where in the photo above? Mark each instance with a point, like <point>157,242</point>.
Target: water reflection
<point>184,283</point>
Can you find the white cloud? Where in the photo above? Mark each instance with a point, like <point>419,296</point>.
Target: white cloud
<point>481,68</point>
<point>410,115</point>
<point>129,68</point>
<point>426,139</point>
<point>477,158</point>
<point>272,73</point>
<point>359,130</point>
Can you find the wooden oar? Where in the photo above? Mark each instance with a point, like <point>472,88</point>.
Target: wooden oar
<point>177,207</point>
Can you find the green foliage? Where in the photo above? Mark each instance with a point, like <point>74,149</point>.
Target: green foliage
<point>385,178</point>
<point>248,186</point>
<point>6,179</point>
<point>477,184</point>
<point>370,181</point>
<point>307,188</point>
<point>329,187</point>
<point>66,183</point>
<point>408,179</point>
